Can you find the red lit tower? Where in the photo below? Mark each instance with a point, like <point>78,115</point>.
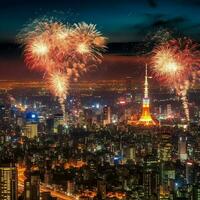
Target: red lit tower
<point>146,118</point>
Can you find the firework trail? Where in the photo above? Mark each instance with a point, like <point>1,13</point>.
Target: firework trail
<point>62,52</point>
<point>182,92</point>
<point>177,63</point>
<point>58,85</point>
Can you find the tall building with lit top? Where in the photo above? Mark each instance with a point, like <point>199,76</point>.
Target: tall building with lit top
<point>8,182</point>
<point>31,130</point>
<point>182,148</point>
<point>58,123</point>
<point>106,115</point>
<point>31,125</point>
<point>146,118</point>
<point>32,186</point>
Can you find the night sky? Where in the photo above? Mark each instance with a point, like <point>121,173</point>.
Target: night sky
<point>122,21</point>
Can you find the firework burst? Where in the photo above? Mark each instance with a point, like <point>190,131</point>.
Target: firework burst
<point>167,64</point>
<point>45,44</point>
<point>61,51</point>
<point>176,62</point>
<point>90,42</point>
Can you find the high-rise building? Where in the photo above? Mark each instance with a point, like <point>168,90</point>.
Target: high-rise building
<point>129,153</point>
<point>106,115</point>
<point>169,110</point>
<point>32,187</point>
<point>167,181</point>
<point>8,182</point>
<point>70,186</point>
<point>20,121</point>
<point>151,184</point>
<point>49,125</point>
<point>127,114</point>
<point>182,148</point>
<point>58,123</point>
<point>31,130</point>
<point>189,172</point>
<point>27,189</point>
<point>101,189</point>
<point>196,192</point>
<point>48,177</point>
<point>166,147</point>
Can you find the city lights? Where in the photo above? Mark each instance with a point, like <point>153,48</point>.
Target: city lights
<point>99,100</point>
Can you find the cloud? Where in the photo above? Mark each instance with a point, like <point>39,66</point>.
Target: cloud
<point>167,23</point>
<point>152,3</point>
<point>118,67</point>
<point>152,23</point>
<point>188,2</point>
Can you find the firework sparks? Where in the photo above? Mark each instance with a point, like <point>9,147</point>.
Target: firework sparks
<point>176,62</point>
<point>50,45</point>
<point>166,63</point>
<point>83,48</point>
<point>40,48</point>
<point>43,41</point>
<point>37,54</point>
<point>61,51</point>
<point>90,41</point>
<point>58,85</point>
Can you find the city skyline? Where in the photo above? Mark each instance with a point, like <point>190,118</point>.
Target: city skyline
<point>100,100</point>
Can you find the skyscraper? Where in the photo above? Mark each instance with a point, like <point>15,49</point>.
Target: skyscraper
<point>32,187</point>
<point>31,130</point>
<point>8,182</point>
<point>129,153</point>
<point>70,186</point>
<point>58,123</point>
<point>106,115</point>
<point>151,184</point>
<point>182,148</point>
<point>101,189</point>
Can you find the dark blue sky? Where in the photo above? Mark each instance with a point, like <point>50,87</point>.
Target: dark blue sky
<point>119,20</point>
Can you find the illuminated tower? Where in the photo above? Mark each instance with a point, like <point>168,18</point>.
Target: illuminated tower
<point>146,119</point>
